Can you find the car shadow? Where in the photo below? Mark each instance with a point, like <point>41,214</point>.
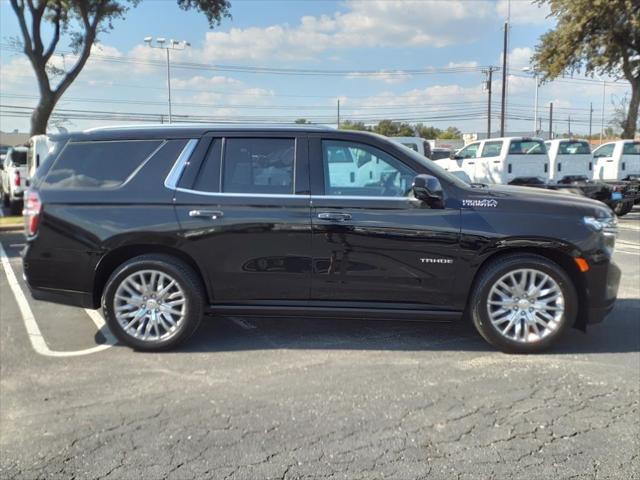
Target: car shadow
<point>618,333</point>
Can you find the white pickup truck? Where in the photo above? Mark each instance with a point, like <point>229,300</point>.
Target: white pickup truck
<point>501,160</point>
<point>569,159</point>
<point>619,160</point>
<point>13,178</point>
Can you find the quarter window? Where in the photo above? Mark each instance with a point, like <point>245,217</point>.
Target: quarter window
<point>361,170</point>
<point>209,175</point>
<point>258,165</point>
<point>491,149</point>
<point>98,164</point>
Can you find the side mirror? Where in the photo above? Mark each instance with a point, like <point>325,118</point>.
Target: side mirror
<point>429,190</point>
<point>455,156</point>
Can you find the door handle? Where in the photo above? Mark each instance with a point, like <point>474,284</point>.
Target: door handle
<point>471,163</point>
<point>334,217</point>
<point>211,214</point>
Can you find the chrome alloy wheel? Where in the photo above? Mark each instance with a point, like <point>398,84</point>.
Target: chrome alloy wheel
<point>525,305</point>
<point>149,305</point>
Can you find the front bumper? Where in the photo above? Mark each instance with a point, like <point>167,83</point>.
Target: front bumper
<point>602,282</point>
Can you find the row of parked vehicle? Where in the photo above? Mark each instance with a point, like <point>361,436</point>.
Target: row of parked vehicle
<point>17,166</point>
<point>610,173</point>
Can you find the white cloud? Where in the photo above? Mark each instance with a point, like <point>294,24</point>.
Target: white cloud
<point>386,76</point>
<point>523,12</point>
<point>520,57</point>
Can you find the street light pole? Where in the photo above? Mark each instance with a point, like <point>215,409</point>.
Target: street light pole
<point>172,45</point>
<point>535,101</point>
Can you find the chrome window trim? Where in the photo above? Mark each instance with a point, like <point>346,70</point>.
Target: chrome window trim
<point>293,195</point>
<point>171,182</point>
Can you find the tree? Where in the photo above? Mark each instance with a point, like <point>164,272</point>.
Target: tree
<point>302,121</point>
<point>350,125</point>
<point>428,133</point>
<point>81,21</point>
<point>450,133</point>
<point>389,128</point>
<point>620,109</point>
<point>594,36</point>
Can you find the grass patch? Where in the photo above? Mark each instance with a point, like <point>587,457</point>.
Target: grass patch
<point>15,220</point>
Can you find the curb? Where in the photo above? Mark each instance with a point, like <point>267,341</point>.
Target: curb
<point>12,228</point>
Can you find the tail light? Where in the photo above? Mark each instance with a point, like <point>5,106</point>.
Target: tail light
<point>31,212</point>
<point>17,179</point>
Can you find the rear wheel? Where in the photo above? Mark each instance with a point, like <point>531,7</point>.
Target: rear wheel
<point>622,208</point>
<point>153,302</point>
<point>523,303</point>
<point>15,207</point>
<point>5,199</point>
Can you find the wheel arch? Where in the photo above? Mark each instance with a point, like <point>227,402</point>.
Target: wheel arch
<point>116,257</point>
<point>562,259</point>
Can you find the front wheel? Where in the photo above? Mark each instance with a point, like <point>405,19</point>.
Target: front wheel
<point>523,303</point>
<point>153,302</point>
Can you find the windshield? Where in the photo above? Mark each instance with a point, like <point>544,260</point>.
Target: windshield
<point>527,147</point>
<point>574,148</point>
<point>19,157</point>
<point>437,170</point>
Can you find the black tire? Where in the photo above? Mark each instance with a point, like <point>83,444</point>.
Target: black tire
<point>494,271</point>
<point>5,200</point>
<point>622,208</point>
<point>188,281</point>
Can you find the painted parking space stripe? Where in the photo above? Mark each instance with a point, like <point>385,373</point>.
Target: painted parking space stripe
<point>33,331</point>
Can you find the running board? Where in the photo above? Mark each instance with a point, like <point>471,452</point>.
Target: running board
<point>332,312</point>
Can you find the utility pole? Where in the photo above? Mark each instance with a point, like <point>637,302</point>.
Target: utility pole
<point>504,78</point>
<point>590,118</point>
<point>489,86</point>
<point>338,114</point>
<point>172,45</point>
<point>569,122</point>
<point>604,88</point>
<point>551,121</point>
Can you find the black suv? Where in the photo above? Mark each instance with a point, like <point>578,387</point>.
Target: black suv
<point>159,225</point>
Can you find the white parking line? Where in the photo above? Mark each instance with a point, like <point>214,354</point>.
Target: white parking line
<point>33,331</point>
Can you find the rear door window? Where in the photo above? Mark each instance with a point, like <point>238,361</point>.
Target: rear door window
<point>99,164</point>
<point>258,165</point>
<point>491,149</point>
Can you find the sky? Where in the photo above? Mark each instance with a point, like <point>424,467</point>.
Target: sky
<point>416,60</point>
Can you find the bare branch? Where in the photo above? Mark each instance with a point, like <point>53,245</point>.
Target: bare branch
<point>18,8</point>
<point>56,20</point>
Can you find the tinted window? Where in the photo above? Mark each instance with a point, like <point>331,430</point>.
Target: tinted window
<point>631,148</point>
<point>258,165</point>
<point>412,146</point>
<point>604,150</point>
<point>527,147</point>
<point>469,151</point>
<point>491,149</point>
<point>209,176</point>
<point>19,157</point>
<point>368,171</point>
<point>574,148</point>
<point>98,164</point>
<point>439,154</point>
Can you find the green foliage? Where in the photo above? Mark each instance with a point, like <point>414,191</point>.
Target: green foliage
<point>428,133</point>
<point>302,121</point>
<point>389,128</point>
<point>451,133</point>
<point>594,37</point>
<point>349,125</point>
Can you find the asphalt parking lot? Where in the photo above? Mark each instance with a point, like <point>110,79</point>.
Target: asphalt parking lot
<point>266,398</point>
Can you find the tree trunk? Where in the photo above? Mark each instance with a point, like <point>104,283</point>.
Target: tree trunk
<point>632,115</point>
<point>42,112</point>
